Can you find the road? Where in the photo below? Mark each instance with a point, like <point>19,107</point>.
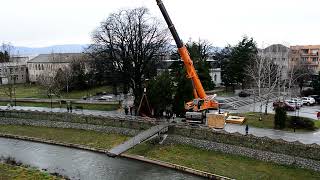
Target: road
<point>305,111</point>
<point>303,137</point>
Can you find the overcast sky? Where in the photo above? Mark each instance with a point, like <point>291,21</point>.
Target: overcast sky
<point>37,23</point>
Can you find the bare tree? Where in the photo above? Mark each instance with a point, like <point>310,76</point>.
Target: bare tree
<point>132,41</point>
<point>265,73</point>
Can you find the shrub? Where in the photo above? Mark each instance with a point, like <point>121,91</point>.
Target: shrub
<point>280,118</point>
<point>301,123</point>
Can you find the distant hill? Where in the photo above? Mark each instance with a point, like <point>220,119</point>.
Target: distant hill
<point>68,48</point>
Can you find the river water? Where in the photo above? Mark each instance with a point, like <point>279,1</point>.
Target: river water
<point>81,164</point>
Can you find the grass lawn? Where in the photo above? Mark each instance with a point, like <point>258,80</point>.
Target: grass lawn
<point>101,107</point>
<point>89,138</point>
<point>21,173</point>
<point>223,164</point>
<point>211,161</point>
<point>267,121</point>
<point>35,91</point>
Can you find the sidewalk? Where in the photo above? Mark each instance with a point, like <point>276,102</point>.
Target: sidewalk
<point>303,137</point>
<point>115,113</point>
<point>43,100</point>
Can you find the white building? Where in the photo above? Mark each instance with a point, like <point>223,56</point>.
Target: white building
<point>47,65</point>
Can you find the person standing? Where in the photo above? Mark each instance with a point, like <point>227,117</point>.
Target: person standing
<point>247,129</point>
<point>318,115</point>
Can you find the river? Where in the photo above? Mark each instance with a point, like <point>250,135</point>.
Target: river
<point>81,164</point>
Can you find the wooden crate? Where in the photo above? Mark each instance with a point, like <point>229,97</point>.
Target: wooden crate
<point>235,120</point>
<point>215,120</point>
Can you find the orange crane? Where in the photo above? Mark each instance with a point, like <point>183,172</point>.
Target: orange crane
<point>202,102</point>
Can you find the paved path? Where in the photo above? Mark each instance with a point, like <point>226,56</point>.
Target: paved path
<point>75,101</point>
<point>84,111</point>
<point>137,139</point>
<point>303,137</point>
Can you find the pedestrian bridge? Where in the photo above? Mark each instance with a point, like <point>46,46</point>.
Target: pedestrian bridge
<point>137,139</point>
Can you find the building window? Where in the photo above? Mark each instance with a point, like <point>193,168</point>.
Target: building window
<point>304,59</point>
<point>314,59</point>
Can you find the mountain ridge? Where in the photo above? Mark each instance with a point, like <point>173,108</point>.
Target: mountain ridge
<point>64,48</point>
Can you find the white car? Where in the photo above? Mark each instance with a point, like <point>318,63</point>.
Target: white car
<point>105,98</point>
<point>297,101</point>
<point>308,101</point>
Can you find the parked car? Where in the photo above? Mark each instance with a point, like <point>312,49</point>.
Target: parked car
<point>316,98</point>
<point>293,103</point>
<point>244,94</point>
<point>297,101</point>
<point>285,105</point>
<point>308,101</point>
<point>105,98</point>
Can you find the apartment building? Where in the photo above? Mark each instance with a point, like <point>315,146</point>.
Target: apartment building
<point>306,55</point>
<point>279,54</point>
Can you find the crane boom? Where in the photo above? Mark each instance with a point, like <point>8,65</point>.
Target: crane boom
<point>192,74</point>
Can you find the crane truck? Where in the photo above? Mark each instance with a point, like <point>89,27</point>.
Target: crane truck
<point>202,103</point>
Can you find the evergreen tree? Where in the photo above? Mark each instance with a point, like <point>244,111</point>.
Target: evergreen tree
<point>233,67</point>
<point>199,53</point>
<point>280,118</point>
<point>159,93</point>
<point>316,84</point>
<point>183,88</point>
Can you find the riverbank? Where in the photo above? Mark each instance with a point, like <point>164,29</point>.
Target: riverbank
<point>23,173</point>
<point>214,162</point>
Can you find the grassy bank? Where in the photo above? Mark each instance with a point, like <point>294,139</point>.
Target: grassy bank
<point>35,91</point>
<point>223,164</point>
<point>211,161</point>
<point>21,173</point>
<point>267,121</point>
<point>101,107</point>
<point>89,138</point>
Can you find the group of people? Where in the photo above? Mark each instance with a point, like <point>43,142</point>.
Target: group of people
<point>128,109</point>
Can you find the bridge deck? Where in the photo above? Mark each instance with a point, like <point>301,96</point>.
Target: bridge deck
<point>136,140</point>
